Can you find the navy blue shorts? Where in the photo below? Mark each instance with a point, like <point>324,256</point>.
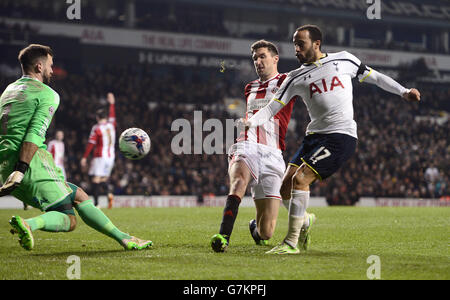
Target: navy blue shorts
<point>325,153</point>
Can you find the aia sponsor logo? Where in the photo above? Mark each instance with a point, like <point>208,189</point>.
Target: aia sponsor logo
<point>324,87</point>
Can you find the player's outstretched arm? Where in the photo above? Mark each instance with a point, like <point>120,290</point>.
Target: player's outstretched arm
<point>110,98</point>
<point>112,110</point>
<point>285,94</point>
<point>388,84</point>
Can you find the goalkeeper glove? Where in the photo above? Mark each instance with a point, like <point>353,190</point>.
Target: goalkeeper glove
<point>14,179</point>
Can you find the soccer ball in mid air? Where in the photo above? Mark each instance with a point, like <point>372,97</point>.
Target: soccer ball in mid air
<point>134,143</point>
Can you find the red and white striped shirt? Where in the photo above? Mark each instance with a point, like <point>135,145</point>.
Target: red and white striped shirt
<point>103,137</point>
<point>56,148</point>
<point>273,133</point>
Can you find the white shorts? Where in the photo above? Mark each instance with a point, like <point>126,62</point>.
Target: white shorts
<point>101,166</point>
<point>266,166</point>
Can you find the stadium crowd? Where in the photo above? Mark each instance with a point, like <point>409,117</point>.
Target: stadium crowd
<point>399,154</point>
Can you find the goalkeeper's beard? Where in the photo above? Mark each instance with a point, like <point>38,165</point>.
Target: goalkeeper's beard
<point>46,78</point>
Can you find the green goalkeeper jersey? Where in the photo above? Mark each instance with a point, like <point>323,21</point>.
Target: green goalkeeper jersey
<point>26,109</point>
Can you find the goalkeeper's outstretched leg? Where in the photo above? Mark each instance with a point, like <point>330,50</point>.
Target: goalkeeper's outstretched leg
<point>61,218</point>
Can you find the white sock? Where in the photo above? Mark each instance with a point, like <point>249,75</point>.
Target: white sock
<point>306,221</point>
<point>286,203</point>
<point>295,225</point>
<point>297,209</point>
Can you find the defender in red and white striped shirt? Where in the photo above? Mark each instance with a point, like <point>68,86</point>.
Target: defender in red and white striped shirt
<point>256,158</point>
<point>56,148</point>
<point>258,94</point>
<point>102,142</point>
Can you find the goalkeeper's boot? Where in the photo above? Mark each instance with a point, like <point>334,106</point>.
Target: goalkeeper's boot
<point>257,239</point>
<point>136,244</point>
<point>219,242</point>
<point>20,227</point>
<point>284,249</point>
<point>304,239</point>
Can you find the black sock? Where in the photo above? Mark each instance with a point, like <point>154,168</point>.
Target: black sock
<point>229,215</point>
<point>95,192</point>
<point>105,189</point>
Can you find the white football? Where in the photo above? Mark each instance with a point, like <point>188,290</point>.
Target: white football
<point>134,143</point>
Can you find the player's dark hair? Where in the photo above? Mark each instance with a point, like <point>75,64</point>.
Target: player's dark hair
<point>315,34</point>
<point>264,44</point>
<point>101,113</point>
<point>29,55</point>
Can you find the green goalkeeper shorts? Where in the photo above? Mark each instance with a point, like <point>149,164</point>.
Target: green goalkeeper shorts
<point>43,185</point>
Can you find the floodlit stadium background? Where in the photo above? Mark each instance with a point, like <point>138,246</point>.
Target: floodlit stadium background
<point>166,59</point>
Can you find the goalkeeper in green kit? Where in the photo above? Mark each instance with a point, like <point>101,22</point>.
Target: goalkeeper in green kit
<point>27,169</point>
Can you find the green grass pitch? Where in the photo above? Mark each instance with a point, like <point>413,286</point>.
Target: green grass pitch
<point>412,243</point>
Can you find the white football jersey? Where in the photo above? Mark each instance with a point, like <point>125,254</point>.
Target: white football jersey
<point>326,89</point>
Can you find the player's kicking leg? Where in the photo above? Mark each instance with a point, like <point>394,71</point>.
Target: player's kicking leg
<point>239,179</point>
<point>301,180</point>
<point>286,194</point>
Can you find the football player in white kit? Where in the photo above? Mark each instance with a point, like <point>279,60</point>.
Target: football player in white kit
<point>324,83</point>
<point>256,158</point>
<point>102,141</point>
